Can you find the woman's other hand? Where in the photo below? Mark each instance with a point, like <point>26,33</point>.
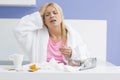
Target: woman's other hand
<point>66,51</point>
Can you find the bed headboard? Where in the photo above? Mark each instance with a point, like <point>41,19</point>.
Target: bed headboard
<point>93,33</point>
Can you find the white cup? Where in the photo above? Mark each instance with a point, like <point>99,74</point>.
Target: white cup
<point>17,60</point>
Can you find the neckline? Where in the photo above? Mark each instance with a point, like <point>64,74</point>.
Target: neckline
<point>59,41</point>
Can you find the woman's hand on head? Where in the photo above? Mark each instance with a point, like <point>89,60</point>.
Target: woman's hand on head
<point>41,13</point>
<point>66,51</point>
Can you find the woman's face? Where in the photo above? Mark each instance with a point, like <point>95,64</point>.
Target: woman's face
<point>52,17</point>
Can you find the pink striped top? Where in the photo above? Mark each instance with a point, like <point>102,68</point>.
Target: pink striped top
<point>53,51</point>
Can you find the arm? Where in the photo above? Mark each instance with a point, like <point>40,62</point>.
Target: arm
<point>80,53</point>
<point>81,57</point>
<point>26,29</point>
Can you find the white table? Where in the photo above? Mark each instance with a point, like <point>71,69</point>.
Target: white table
<point>98,73</point>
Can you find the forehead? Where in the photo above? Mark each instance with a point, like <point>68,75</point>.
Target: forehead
<point>50,9</point>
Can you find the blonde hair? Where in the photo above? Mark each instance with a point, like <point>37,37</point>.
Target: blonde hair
<point>58,8</point>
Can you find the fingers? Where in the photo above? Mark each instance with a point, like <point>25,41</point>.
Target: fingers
<point>66,51</point>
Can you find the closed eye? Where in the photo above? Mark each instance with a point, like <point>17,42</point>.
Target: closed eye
<point>55,12</point>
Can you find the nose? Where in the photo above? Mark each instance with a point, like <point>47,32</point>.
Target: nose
<point>51,15</point>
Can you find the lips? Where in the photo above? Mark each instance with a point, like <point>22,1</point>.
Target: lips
<point>53,20</point>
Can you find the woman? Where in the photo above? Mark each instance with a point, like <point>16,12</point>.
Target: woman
<point>43,36</point>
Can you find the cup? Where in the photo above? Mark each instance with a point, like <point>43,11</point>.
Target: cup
<point>17,60</point>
